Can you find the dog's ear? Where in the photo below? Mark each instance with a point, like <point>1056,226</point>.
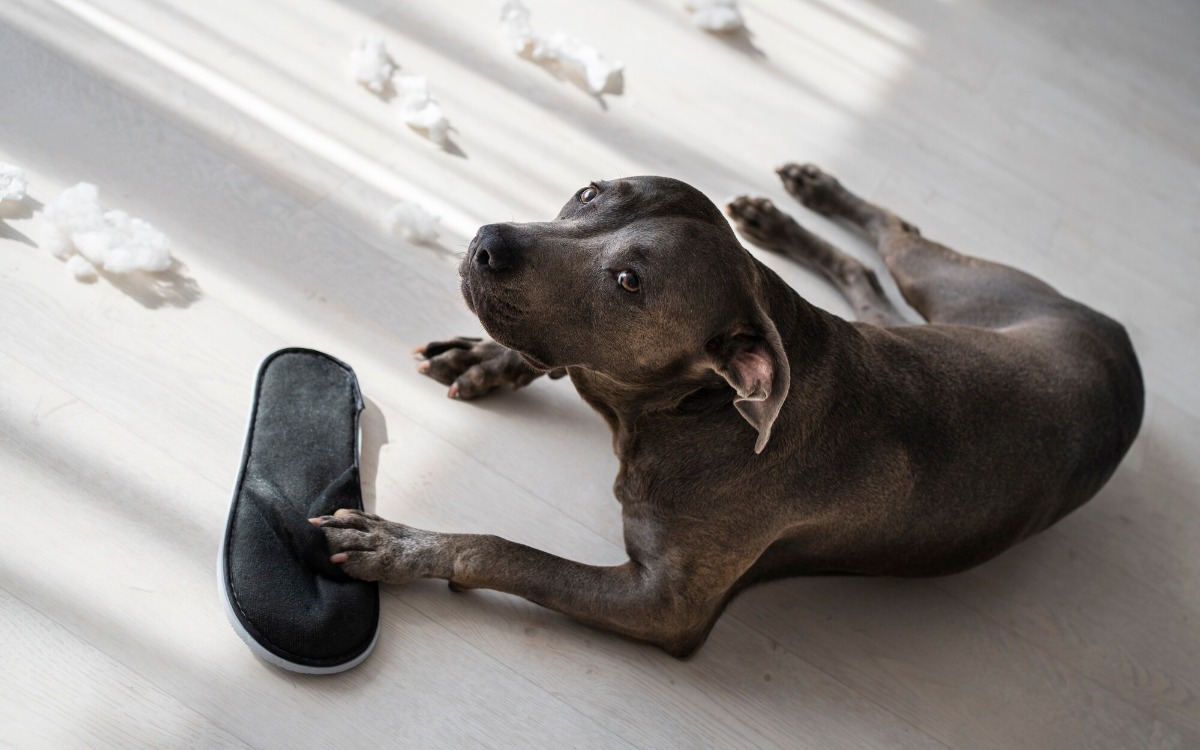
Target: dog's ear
<point>752,360</point>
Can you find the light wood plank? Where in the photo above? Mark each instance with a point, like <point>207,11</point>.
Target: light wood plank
<point>61,692</point>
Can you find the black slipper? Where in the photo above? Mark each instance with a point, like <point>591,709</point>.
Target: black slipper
<point>291,606</point>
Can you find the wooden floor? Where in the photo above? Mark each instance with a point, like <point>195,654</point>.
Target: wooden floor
<point>1062,137</point>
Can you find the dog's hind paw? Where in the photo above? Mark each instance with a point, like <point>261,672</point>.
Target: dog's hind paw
<point>473,367</point>
<point>812,187</point>
<point>761,222</point>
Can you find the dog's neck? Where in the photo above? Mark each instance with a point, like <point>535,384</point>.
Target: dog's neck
<point>819,346</point>
<point>811,338</point>
<point>623,404</point>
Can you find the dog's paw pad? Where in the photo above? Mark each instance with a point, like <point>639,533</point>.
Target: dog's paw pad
<point>761,221</point>
<point>472,367</point>
<point>811,186</point>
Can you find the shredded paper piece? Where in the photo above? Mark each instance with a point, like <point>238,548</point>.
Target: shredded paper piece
<point>78,230</point>
<point>81,269</point>
<point>599,73</point>
<point>419,109</point>
<point>370,64</point>
<point>715,15</point>
<point>12,183</point>
<point>409,221</point>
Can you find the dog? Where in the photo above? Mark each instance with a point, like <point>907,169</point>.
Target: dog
<point>760,436</point>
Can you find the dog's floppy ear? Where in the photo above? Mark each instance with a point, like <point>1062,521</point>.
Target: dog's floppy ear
<point>752,361</point>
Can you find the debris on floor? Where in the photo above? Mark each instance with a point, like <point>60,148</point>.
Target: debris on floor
<point>370,65</point>
<point>599,74</point>
<point>12,183</point>
<point>410,221</point>
<point>89,238</point>
<point>419,109</point>
<point>715,15</point>
<point>81,268</point>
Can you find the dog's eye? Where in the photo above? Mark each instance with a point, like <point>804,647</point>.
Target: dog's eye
<point>588,194</point>
<point>629,281</point>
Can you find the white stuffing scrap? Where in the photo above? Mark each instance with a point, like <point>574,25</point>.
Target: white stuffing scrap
<point>515,27</point>
<point>419,109</point>
<point>715,15</point>
<point>81,268</point>
<point>370,64</point>
<point>599,73</point>
<point>112,240</point>
<point>410,221</point>
<point>12,183</point>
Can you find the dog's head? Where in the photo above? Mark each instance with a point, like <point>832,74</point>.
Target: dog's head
<point>641,279</point>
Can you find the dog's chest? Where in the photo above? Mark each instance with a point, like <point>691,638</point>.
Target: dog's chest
<point>669,461</point>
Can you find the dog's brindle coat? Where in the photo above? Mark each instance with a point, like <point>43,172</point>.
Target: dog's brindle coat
<point>760,436</point>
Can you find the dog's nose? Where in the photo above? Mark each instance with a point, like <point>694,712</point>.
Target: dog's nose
<point>491,250</point>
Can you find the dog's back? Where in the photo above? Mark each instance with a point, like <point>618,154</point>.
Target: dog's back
<point>956,439</point>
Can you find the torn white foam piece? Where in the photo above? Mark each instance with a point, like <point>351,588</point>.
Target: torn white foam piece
<point>410,221</point>
<point>598,72</point>
<point>419,109</point>
<point>81,268</point>
<point>370,64</point>
<point>112,240</point>
<point>715,15</point>
<point>12,182</point>
<point>515,26</point>
<point>77,209</point>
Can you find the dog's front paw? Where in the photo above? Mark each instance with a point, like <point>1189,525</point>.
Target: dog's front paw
<point>761,222</point>
<point>371,548</point>
<point>473,367</point>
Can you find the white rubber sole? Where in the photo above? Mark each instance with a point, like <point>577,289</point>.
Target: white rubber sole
<point>257,648</point>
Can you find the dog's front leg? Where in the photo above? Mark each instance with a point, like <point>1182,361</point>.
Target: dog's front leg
<point>641,599</point>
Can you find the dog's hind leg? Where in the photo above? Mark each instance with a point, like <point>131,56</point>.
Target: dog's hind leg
<point>941,284</point>
<point>765,225</point>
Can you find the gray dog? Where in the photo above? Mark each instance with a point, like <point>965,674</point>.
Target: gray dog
<point>759,436</point>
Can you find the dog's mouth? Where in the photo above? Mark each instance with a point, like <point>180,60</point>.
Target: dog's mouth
<point>468,293</point>
<point>501,318</point>
<point>491,306</point>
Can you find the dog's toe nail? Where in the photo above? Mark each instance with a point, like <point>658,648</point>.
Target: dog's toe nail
<point>424,367</point>
<point>453,392</point>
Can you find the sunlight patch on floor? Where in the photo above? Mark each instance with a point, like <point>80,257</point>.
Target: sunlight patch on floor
<point>295,129</point>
